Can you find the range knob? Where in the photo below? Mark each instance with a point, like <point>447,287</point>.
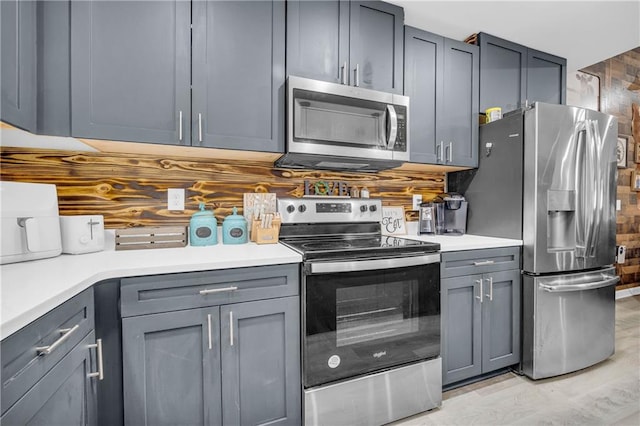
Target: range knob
<point>302,208</point>
<point>363,208</point>
<point>372,208</point>
<point>291,208</point>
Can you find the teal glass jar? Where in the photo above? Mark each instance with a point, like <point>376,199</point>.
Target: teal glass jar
<point>203,228</point>
<point>234,229</point>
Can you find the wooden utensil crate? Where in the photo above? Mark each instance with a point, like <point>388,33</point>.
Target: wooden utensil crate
<point>151,237</point>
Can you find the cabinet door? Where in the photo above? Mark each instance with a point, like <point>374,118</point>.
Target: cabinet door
<point>503,67</point>
<point>546,78</point>
<point>130,70</point>
<point>376,51</point>
<point>501,320</point>
<point>461,328</point>
<point>459,118</point>
<point>64,396</point>
<point>238,74</point>
<point>423,83</point>
<point>18,73</point>
<point>260,344</point>
<point>318,40</point>
<point>171,368</point>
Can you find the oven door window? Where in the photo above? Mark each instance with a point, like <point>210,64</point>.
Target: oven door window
<point>360,322</point>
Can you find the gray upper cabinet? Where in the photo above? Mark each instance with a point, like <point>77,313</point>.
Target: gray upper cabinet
<point>546,78</point>
<point>18,78</point>
<point>512,75</point>
<point>131,71</point>
<point>480,302</point>
<point>359,43</point>
<point>441,79</point>
<point>35,66</point>
<point>318,39</point>
<point>238,75</point>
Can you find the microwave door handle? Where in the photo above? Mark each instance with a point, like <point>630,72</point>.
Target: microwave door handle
<point>393,127</point>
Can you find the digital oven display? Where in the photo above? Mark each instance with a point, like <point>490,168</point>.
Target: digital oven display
<point>333,208</point>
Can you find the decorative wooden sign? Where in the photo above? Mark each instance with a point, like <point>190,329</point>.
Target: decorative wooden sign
<point>393,221</point>
<point>321,187</point>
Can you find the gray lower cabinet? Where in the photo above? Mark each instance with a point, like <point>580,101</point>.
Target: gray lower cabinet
<point>50,368</point>
<point>480,313</point>
<point>358,43</point>
<point>229,360</point>
<point>441,77</point>
<point>512,75</point>
<point>66,395</point>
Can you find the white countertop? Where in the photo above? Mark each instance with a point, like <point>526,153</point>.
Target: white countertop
<point>28,290</point>
<point>459,242</point>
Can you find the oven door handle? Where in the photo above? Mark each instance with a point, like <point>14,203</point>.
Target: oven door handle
<point>372,264</point>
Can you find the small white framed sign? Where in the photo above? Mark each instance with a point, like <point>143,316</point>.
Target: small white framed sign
<point>393,221</point>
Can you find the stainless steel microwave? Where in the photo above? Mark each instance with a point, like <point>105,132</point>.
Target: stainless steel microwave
<point>338,127</point>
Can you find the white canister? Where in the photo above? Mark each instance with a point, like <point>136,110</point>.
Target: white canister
<point>82,234</point>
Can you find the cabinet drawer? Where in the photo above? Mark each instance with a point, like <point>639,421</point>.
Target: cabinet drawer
<point>172,292</point>
<point>24,363</point>
<point>479,261</point>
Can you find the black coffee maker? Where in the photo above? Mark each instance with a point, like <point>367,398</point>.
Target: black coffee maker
<point>445,215</point>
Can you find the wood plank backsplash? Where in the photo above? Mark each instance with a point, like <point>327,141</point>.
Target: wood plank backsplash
<point>131,189</point>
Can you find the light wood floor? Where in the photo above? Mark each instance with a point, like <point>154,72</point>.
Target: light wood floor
<point>605,394</point>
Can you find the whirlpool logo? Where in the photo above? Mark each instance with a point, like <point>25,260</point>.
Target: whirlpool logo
<point>379,354</point>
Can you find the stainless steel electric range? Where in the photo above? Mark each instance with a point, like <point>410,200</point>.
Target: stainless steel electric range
<point>370,313</point>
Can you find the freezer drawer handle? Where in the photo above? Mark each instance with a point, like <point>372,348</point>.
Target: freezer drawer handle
<point>580,287</point>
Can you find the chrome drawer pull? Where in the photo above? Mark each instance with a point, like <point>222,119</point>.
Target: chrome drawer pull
<point>66,333</point>
<point>218,290</point>
<point>484,262</point>
<point>100,373</point>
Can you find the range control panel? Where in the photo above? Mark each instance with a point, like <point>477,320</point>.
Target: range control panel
<point>329,210</point>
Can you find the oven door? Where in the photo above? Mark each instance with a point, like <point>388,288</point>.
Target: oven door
<point>362,316</point>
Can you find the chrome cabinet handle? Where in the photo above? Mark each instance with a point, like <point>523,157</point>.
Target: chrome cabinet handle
<point>449,150</point>
<point>209,329</point>
<point>200,127</point>
<point>66,333</point>
<point>356,72</point>
<point>490,294</point>
<point>439,156</point>
<point>479,297</point>
<point>180,127</point>
<point>231,328</point>
<point>218,290</point>
<point>343,73</point>
<point>483,262</point>
<point>100,373</point>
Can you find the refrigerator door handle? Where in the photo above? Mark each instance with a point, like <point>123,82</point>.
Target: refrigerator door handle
<point>559,288</point>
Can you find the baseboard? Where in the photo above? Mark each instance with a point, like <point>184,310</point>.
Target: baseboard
<point>627,292</point>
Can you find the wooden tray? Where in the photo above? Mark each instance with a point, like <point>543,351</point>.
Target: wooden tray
<point>151,237</point>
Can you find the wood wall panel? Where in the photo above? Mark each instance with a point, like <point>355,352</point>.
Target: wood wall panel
<point>619,90</point>
<point>131,189</point>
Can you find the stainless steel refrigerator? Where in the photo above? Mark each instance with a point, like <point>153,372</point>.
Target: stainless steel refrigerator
<point>547,176</point>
